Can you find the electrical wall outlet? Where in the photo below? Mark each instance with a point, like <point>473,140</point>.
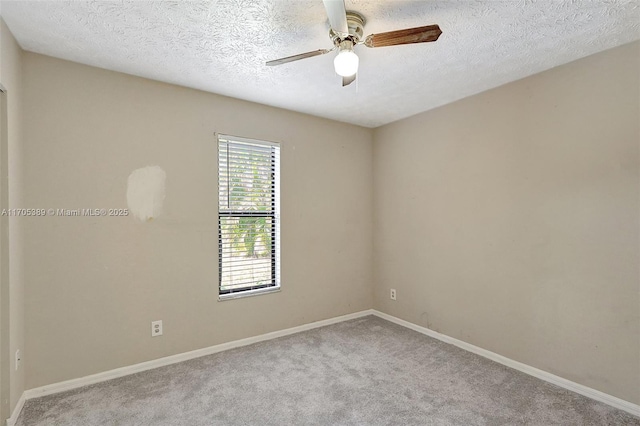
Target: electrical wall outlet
<point>18,359</point>
<point>156,328</point>
<point>393,294</point>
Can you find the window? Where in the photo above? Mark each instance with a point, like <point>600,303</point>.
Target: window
<point>248,216</point>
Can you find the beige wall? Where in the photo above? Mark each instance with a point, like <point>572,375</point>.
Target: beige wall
<point>11,79</point>
<point>95,285</point>
<point>510,219</point>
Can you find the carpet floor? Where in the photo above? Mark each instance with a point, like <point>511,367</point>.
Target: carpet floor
<point>366,371</point>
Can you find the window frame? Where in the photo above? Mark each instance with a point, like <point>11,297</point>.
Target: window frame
<point>274,215</point>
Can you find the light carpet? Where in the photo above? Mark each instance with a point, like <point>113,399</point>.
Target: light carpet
<point>366,371</point>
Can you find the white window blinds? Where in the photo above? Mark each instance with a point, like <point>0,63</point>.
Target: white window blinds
<point>248,216</point>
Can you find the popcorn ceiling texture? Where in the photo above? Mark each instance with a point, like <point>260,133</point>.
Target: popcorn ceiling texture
<point>221,46</point>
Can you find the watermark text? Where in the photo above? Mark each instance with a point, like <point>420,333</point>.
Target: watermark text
<point>64,212</point>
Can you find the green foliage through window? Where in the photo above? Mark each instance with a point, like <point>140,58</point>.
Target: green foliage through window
<point>247,214</point>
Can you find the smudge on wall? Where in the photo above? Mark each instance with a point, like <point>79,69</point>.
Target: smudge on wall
<point>146,193</point>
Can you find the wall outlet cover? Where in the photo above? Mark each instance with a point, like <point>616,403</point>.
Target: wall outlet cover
<point>156,328</point>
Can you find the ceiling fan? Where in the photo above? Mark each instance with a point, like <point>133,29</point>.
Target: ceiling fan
<point>346,32</point>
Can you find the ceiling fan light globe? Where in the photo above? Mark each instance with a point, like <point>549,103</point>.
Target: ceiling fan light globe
<point>346,63</point>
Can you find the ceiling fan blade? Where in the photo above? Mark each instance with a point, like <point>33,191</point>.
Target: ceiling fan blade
<point>298,57</point>
<point>408,36</point>
<point>348,80</point>
<point>337,15</point>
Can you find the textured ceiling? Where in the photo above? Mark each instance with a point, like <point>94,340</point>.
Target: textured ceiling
<point>221,45</point>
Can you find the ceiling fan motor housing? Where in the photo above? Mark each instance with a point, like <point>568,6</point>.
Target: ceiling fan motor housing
<point>355,23</point>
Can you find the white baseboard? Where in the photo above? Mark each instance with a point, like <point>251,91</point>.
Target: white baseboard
<point>11,421</point>
<point>532,371</point>
<point>161,362</point>
<point>148,365</point>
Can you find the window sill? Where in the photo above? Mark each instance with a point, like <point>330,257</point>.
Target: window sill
<point>248,293</point>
